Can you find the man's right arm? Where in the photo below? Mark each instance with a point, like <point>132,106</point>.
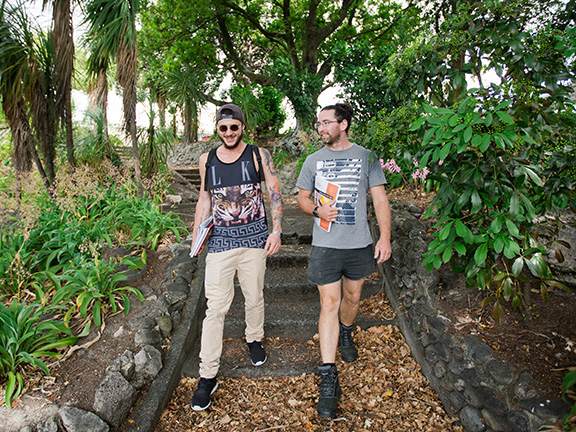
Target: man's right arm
<point>204,204</point>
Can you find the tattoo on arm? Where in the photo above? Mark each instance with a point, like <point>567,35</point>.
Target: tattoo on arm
<point>269,162</point>
<point>276,202</point>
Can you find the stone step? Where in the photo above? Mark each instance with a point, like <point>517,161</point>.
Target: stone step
<point>285,357</point>
<point>190,174</point>
<point>291,310</point>
<point>289,255</point>
<point>288,354</point>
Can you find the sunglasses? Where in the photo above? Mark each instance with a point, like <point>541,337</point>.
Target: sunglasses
<point>233,128</point>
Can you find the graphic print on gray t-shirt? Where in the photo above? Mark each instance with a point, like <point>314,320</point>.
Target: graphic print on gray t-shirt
<point>345,172</point>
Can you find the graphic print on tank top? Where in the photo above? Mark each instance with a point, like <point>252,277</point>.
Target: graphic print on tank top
<point>346,173</point>
<point>239,204</point>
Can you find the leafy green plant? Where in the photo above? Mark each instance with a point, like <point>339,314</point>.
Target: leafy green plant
<point>154,150</point>
<point>279,157</point>
<point>146,222</point>
<point>569,385</point>
<point>488,202</point>
<point>15,261</point>
<point>94,288</point>
<point>24,339</point>
<point>93,143</point>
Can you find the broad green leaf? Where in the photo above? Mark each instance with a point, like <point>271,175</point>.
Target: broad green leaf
<point>428,136</point>
<point>512,228</point>
<point>444,152</point>
<point>454,120</point>
<point>468,134</point>
<point>476,202</point>
<point>460,127</point>
<point>517,266</point>
<point>496,225</point>
<point>447,255</point>
<point>445,232</point>
<point>535,177</point>
<point>514,205</point>
<point>460,248</point>
<point>481,254</point>
<point>416,125</point>
<point>505,117</point>
<point>511,249</point>
<point>498,244</point>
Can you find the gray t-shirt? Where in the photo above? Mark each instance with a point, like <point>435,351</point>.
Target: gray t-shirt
<point>351,170</point>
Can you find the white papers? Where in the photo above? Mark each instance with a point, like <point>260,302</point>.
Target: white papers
<point>324,192</point>
<point>203,231</point>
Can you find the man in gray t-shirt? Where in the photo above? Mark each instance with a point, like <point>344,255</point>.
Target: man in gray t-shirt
<point>333,186</point>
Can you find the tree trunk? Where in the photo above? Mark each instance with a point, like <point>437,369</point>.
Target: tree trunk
<point>64,48</point>
<point>162,110</point>
<point>187,125</point>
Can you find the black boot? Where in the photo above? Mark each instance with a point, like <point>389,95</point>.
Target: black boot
<point>348,350</point>
<point>329,391</point>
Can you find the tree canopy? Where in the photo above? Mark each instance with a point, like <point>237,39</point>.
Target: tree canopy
<point>292,46</point>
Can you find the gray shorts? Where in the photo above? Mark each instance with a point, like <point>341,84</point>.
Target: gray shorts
<point>327,265</point>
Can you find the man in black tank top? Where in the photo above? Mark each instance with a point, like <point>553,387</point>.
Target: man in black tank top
<point>239,243</point>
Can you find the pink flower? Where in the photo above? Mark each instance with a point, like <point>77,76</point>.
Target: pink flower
<point>440,162</point>
<point>421,173</point>
<point>391,166</point>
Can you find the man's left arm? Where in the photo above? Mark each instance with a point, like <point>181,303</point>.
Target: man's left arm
<point>276,204</point>
<point>383,249</point>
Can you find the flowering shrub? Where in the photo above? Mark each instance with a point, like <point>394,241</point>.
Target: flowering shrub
<point>396,178</point>
<point>495,184</point>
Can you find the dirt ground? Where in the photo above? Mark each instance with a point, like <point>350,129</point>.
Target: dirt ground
<point>544,346</point>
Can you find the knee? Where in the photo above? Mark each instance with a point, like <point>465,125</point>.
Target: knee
<point>352,298</point>
<point>329,303</point>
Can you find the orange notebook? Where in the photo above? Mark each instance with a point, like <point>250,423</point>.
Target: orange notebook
<point>324,192</point>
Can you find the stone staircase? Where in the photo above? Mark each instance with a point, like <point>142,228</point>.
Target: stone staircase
<point>292,307</point>
<point>192,174</point>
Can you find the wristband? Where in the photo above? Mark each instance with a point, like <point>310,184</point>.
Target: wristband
<point>279,234</point>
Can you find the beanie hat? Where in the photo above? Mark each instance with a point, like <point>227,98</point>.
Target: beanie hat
<point>231,111</point>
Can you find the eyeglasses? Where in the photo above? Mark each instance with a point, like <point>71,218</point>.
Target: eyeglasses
<point>325,123</point>
<point>233,128</point>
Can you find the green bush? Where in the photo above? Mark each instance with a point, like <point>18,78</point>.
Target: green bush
<point>494,189</point>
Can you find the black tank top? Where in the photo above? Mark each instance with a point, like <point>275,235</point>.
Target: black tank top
<point>237,204</point>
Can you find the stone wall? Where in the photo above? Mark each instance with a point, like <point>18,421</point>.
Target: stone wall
<point>486,393</point>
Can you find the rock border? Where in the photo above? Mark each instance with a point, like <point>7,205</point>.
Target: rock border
<point>487,394</point>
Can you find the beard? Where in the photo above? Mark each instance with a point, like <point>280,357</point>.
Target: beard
<point>328,139</point>
<point>233,146</point>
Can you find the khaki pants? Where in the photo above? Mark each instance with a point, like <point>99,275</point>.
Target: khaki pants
<point>221,267</point>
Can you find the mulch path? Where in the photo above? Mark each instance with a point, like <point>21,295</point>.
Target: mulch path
<point>383,390</point>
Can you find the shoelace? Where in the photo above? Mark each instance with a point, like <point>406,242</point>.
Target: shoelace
<point>327,383</point>
<point>346,338</point>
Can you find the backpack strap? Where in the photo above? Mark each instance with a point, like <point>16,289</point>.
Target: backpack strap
<point>255,152</point>
<point>208,161</point>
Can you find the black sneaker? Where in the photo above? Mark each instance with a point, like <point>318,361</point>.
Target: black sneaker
<point>329,391</point>
<point>257,353</point>
<point>201,398</point>
<point>348,350</point>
